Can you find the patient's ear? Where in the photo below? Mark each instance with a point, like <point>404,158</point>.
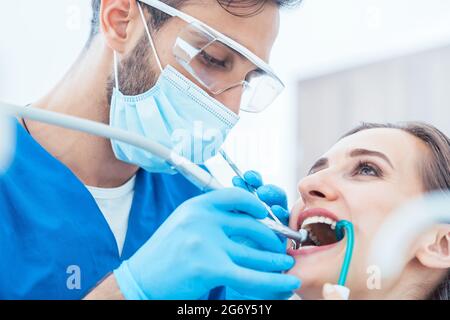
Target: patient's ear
<point>434,248</point>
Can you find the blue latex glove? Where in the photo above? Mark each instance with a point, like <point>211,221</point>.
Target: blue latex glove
<point>273,196</point>
<point>192,253</point>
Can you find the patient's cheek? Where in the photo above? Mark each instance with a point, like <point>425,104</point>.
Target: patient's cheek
<point>296,269</point>
<point>293,217</point>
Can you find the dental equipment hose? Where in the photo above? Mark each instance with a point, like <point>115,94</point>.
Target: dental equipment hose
<point>345,228</point>
<point>192,172</point>
<point>7,134</point>
<point>199,177</point>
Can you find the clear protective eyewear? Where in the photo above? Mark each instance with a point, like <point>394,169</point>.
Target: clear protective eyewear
<point>219,63</point>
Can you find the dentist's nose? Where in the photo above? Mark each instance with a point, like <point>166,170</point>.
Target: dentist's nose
<point>318,186</point>
<point>232,98</point>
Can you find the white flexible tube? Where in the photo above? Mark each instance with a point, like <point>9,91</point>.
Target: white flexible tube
<point>199,177</point>
<point>396,237</point>
<point>6,142</point>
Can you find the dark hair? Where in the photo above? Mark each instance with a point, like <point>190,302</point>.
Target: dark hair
<point>434,169</point>
<point>240,8</point>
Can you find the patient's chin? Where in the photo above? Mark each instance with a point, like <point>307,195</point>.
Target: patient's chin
<point>310,293</point>
<point>313,277</point>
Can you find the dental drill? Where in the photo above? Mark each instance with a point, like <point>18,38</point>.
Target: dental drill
<point>192,172</point>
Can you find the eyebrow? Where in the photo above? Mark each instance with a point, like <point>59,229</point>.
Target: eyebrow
<point>324,162</point>
<point>365,152</point>
<point>320,164</point>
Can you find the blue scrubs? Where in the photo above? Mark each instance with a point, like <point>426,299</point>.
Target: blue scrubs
<point>54,241</point>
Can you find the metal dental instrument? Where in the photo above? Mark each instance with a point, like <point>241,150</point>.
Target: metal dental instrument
<point>192,172</point>
<point>303,233</point>
<point>239,173</point>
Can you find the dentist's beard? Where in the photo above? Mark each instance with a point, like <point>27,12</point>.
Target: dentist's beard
<point>138,72</point>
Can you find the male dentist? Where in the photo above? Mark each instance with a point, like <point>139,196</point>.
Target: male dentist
<point>86,217</point>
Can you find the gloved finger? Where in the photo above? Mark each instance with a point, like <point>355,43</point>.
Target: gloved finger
<point>251,258</point>
<point>251,179</point>
<point>245,227</point>
<point>236,200</point>
<point>240,183</point>
<point>272,195</point>
<point>267,285</point>
<point>245,241</point>
<point>281,213</point>
<point>254,179</point>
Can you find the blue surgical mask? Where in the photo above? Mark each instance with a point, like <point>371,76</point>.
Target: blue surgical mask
<point>176,113</point>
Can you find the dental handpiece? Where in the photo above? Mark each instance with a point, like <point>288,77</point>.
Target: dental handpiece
<point>299,236</point>
<point>275,224</point>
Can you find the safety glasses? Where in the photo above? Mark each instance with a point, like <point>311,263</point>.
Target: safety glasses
<point>220,64</point>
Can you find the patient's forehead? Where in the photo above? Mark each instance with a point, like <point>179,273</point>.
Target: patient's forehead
<point>399,146</point>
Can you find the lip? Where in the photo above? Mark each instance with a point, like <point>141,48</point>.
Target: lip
<point>315,212</point>
<point>305,251</point>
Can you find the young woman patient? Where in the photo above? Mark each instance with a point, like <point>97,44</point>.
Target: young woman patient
<point>363,178</point>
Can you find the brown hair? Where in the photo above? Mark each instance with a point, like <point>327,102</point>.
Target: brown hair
<point>434,169</point>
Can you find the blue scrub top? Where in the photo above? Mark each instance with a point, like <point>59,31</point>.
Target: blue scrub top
<point>54,241</point>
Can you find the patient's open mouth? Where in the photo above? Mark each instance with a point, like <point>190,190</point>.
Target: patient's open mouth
<point>321,227</point>
<point>321,231</point>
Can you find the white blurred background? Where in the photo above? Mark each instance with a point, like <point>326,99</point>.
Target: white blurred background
<point>343,62</point>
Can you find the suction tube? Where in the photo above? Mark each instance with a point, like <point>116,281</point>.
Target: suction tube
<point>345,228</point>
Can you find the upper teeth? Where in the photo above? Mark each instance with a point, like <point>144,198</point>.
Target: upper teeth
<point>319,219</point>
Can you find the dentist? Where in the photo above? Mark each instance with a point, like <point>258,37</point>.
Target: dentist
<point>85,217</point>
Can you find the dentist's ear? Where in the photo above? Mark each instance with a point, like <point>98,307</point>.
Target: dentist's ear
<point>434,248</point>
<point>121,24</point>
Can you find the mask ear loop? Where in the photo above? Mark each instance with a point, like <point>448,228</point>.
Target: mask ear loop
<point>116,70</point>
<point>152,44</point>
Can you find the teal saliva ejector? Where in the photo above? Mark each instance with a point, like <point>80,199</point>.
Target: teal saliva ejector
<point>343,228</point>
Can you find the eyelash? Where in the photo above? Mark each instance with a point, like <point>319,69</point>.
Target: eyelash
<point>211,61</point>
<point>363,165</point>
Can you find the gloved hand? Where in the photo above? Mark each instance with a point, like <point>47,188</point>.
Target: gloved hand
<point>273,196</point>
<point>192,253</point>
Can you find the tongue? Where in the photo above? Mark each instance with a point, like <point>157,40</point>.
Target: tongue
<point>324,234</point>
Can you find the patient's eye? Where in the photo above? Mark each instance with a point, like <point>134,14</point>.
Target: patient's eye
<point>367,169</point>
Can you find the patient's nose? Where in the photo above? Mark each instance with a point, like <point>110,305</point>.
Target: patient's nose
<point>317,187</point>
